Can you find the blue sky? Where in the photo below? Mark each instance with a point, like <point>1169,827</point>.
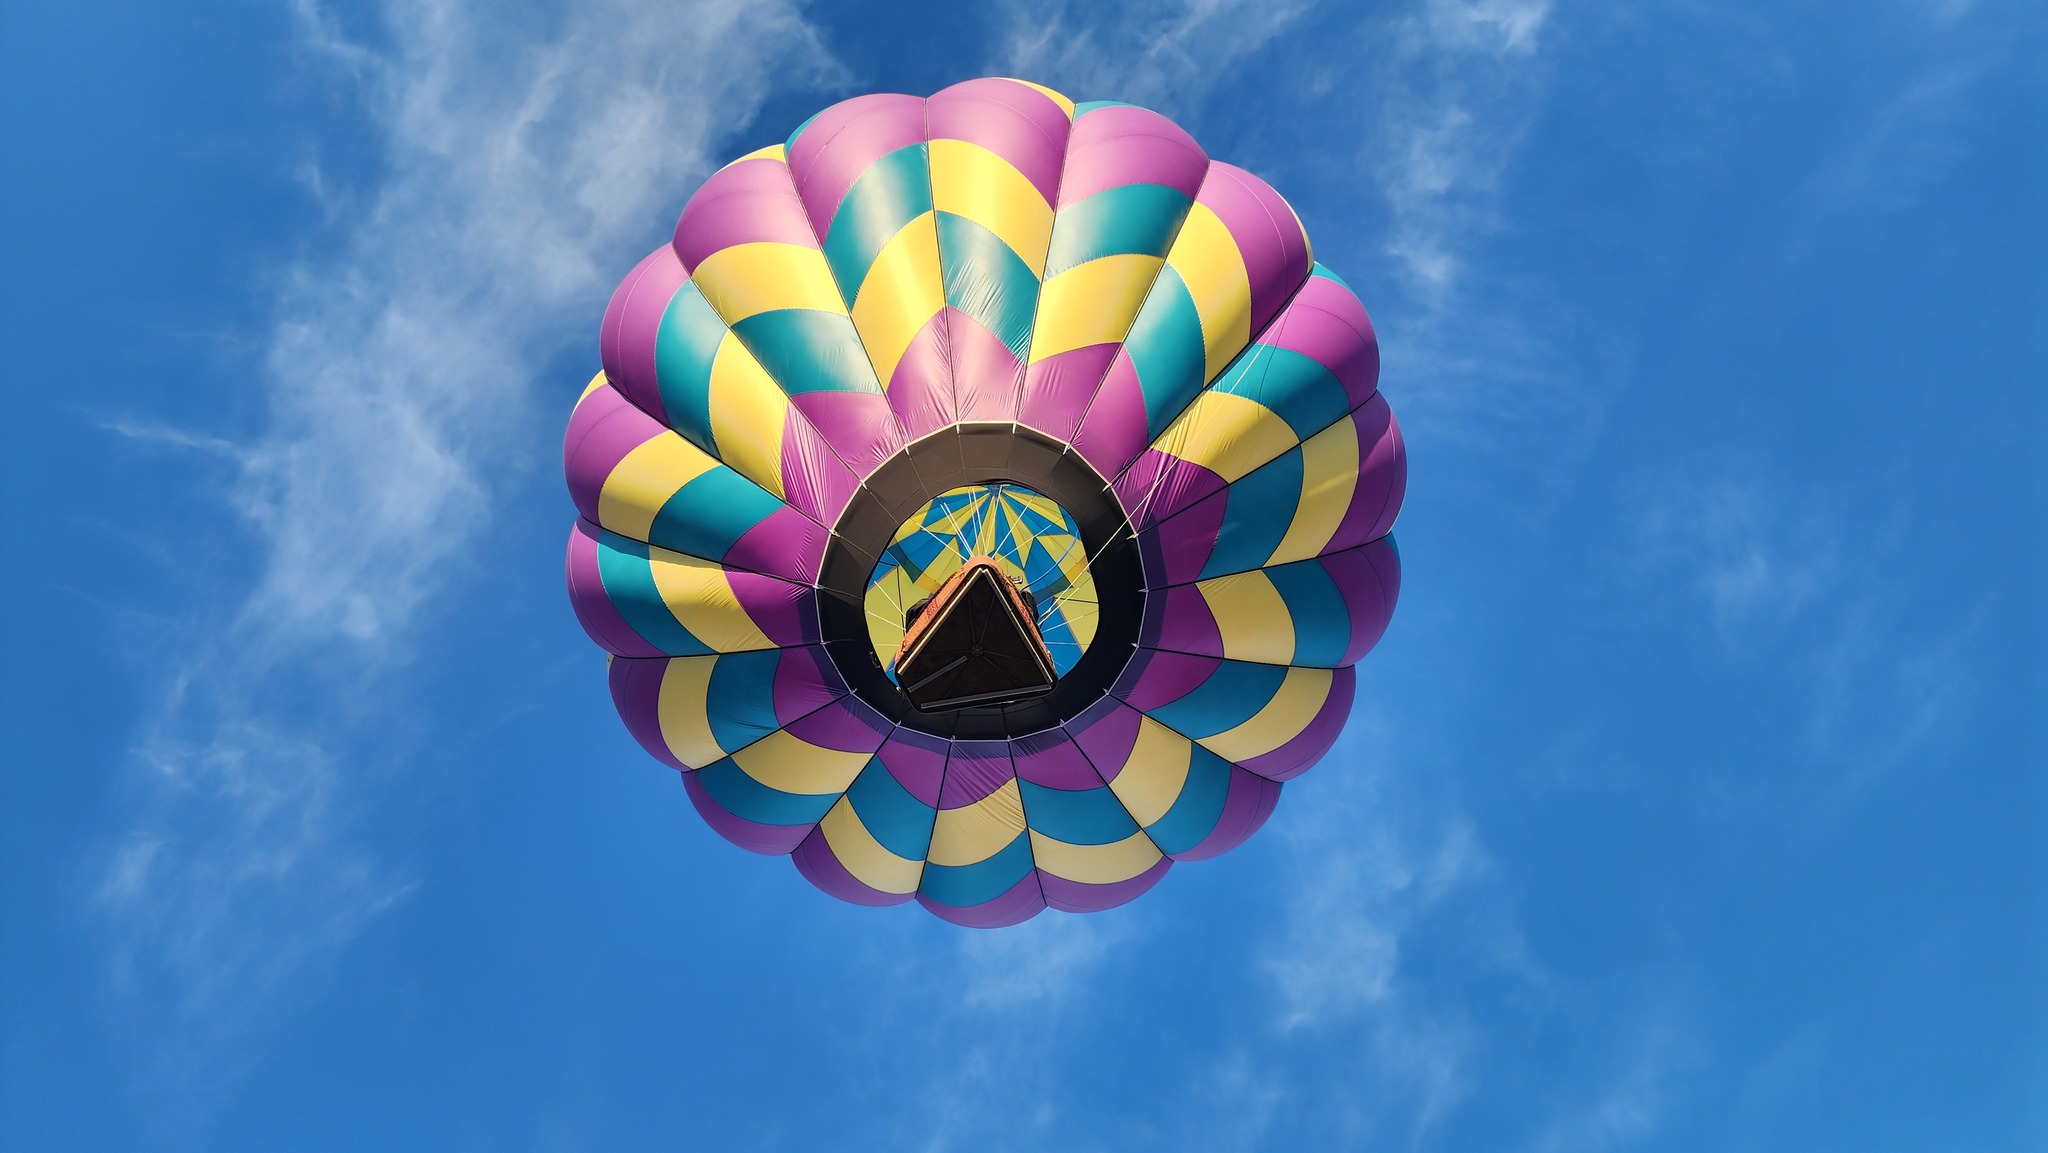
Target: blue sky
<point>1692,802</point>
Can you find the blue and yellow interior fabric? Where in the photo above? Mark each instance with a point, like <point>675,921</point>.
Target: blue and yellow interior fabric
<point>1029,536</point>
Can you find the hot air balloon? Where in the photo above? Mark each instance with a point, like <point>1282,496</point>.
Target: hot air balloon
<point>984,501</point>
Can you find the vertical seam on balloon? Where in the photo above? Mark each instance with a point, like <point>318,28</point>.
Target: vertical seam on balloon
<point>1307,248</point>
<point>780,728</point>
<point>1402,448</point>
<point>938,802</point>
<point>817,435</point>
<point>706,559</point>
<point>945,305</point>
<point>874,761</point>
<point>938,806</point>
<point>1247,476</point>
<point>667,427</point>
<point>1249,345</point>
<point>1096,392</point>
<point>1125,701</point>
<point>1381,582</point>
<point>1030,850</point>
<point>1271,321</point>
<point>1094,768</point>
<point>904,434</point>
<point>938,795</point>
<point>632,288</point>
<point>1059,185</point>
<point>945,774</point>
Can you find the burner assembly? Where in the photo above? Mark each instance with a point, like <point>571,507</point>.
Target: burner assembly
<point>974,642</point>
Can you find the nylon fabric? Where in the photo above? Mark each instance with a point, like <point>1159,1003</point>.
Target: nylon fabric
<point>903,269</point>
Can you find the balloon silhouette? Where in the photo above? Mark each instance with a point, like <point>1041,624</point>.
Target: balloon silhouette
<point>984,501</point>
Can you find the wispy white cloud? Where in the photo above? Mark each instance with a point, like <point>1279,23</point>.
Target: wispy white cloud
<point>1441,119</point>
<point>1432,127</point>
<point>1422,107</point>
<point>1036,962</point>
<point>1638,1079</point>
<point>240,879</point>
<point>1167,54</point>
<point>1909,142</point>
<point>994,1016</point>
<point>1754,557</point>
<point>157,433</point>
<point>1464,85</point>
<point>1376,863</point>
<point>1473,348</point>
<point>1796,566</point>
<point>1789,576</point>
<point>1002,1018</point>
<point>519,163</point>
<point>517,175</point>
<point>1364,885</point>
<point>1881,155</point>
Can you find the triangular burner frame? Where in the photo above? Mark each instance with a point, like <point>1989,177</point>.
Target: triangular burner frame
<point>919,666</point>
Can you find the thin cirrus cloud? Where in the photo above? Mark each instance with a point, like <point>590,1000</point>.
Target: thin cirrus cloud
<point>513,175</point>
<point>1415,110</point>
<point>1453,105</point>
<point>1793,568</point>
<point>1460,89</point>
<point>1458,103</point>
<point>1158,54</point>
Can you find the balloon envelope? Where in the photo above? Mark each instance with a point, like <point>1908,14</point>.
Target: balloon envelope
<point>997,330</point>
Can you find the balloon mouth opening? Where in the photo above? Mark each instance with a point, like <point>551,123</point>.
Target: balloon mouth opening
<point>993,536</point>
